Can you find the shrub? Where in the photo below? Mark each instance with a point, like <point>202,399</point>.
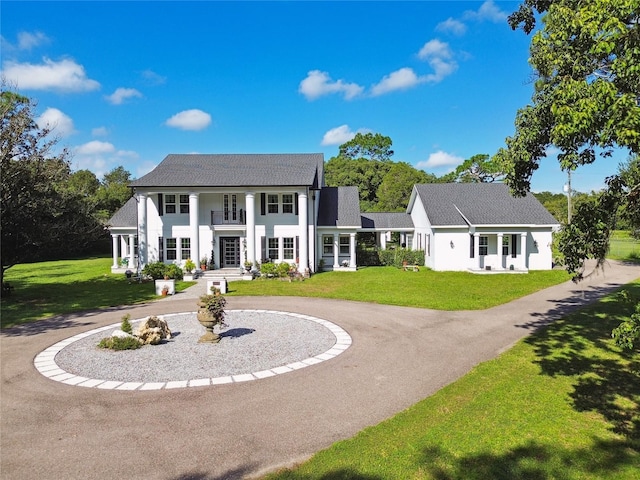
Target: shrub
<point>397,256</point>
<point>267,269</point>
<point>173,271</point>
<point>189,266</point>
<point>125,326</point>
<point>120,343</point>
<point>282,269</point>
<point>155,270</point>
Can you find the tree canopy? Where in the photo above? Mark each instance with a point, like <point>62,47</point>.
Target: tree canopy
<point>480,169</point>
<point>586,102</point>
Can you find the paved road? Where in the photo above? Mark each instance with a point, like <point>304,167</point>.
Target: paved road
<point>399,356</point>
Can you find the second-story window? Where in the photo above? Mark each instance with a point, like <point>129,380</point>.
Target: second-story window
<point>287,203</point>
<point>272,203</point>
<point>184,203</point>
<point>170,204</point>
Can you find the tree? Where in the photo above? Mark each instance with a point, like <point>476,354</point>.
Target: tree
<point>394,191</point>
<point>372,146</point>
<point>586,100</point>
<point>113,192</point>
<point>480,169</point>
<point>40,214</point>
<point>84,182</point>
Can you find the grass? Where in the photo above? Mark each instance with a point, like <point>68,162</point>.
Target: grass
<point>624,247</point>
<point>562,404</point>
<point>45,289</point>
<point>423,289</point>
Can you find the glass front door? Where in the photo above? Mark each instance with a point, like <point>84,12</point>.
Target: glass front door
<point>230,253</point>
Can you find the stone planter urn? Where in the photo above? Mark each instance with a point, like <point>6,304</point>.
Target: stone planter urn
<point>208,321</point>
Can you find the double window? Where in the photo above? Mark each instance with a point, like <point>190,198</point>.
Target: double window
<point>273,248</point>
<point>344,245</point>
<point>174,203</point>
<point>168,248</point>
<point>279,203</point>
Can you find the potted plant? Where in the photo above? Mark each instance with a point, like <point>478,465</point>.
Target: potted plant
<point>203,263</point>
<point>189,266</point>
<point>248,265</point>
<point>165,291</point>
<point>211,313</point>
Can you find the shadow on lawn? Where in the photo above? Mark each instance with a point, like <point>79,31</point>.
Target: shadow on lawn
<point>606,379</point>
<point>532,461</point>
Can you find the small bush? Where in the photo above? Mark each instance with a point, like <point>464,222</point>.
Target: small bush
<point>282,269</point>
<point>395,257</point>
<point>120,343</point>
<point>125,326</point>
<point>267,269</point>
<point>155,270</point>
<point>174,271</point>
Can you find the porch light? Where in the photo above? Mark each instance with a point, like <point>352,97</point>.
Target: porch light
<point>535,244</point>
<point>451,243</point>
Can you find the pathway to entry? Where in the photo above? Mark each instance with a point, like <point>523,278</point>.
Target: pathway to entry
<point>398,356</point>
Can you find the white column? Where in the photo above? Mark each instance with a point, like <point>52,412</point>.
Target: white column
<point>250,207</point>
<point>143,246</point>
<point>383,240</point>
<point>336,248</point>
<point>194,227</point>
<point>132,251</point>
<point>352,250</point>
<point>500,256</point>
<point>114,250</point>
<point>303,247</point>
<point>523,248</point>
<point>476,249</point>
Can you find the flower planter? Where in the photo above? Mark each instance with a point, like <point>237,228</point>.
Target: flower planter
<point>208,321</point>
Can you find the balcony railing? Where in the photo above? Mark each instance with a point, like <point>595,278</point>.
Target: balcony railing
<point>226,217</point>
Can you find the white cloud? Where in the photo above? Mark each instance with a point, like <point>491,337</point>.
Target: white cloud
<point>121,95</point>
<point>65,76</point>
<point>451,25</point>
<point>152,78</point>
<point>399,80</point>
<point>319,83</point>
<point>439,57</point>
<point>193,119</point>
<point>56,121</point>
<point>488,11</point>
<point>440,159</point>
<point>101,157</point>
<point>28,40</point>
<point>95,147</point>
<point>100,132</point>
<point>338,135</point>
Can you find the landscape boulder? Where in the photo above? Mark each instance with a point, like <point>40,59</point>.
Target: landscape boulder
<point>153,330</point>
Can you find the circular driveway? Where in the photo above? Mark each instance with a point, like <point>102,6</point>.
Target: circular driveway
<point>398,356</point>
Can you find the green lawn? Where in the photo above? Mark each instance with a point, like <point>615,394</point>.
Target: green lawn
<point>45,289</point>
<point>424,289</point>
<point>624,247</point>
<point>562,404</point>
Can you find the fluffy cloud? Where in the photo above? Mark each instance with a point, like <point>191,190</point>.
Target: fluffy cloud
<point>451,25</point>
<point>193,119</point>
<point>338,135</point>
<point>56,121</point>
<point>64,76</point>
<point>28,40</point>
<point>439,57</point>
<point>101,157</point>
<point>319,83</point>
<point>440,159</point>
<point>121,95</point>
<point>488,11</point>
<point>152,78</point>
<point>99,132</point>
<point>399,80</point>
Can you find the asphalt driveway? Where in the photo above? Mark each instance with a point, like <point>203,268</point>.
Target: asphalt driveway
<point>399,356</point>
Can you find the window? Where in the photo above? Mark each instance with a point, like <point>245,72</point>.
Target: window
<point>344,245</point>
<point>184,203</point>
<point>505,245</point>
<point>484,245</point>
<point>272,252</point>
<point>287,203</point>
<point>287,248</point>
<point>272,203</point>
<point>171,249</point>
<point>327,244</point>
<point>185,248</point>
<point>170,203</point>
<point>230,207</point>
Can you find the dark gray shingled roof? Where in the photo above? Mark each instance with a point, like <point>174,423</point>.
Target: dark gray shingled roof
<point>127,216</point>
<point>234,170</point>
<point>481,204</point>
<point>387,221</point>
<point>339,207</point>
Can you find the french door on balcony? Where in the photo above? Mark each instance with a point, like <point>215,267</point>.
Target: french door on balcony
<point>229,252</point>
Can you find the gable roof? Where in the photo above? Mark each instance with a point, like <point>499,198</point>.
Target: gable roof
<point>126,216</point>
<point>339,207</point>
<point>387,221</point>
<point>236,170</point>
<point>452,204</point>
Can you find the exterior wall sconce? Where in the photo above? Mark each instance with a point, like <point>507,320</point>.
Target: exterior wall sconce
<point>451,243</point>
<point>535,244</point>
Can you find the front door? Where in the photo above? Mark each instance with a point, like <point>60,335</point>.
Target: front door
<point>230,252</point>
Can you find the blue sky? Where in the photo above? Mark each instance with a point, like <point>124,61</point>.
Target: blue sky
<point>126,83</point>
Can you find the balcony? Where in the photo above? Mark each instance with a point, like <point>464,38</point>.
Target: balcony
<point>227,217</point>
